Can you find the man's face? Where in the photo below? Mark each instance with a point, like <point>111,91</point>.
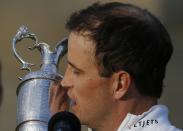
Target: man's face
<point>91,94</point>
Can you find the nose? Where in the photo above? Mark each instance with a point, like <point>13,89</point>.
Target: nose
<point>66,82</point>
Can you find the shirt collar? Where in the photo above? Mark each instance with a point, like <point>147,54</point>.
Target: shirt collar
<point>153,113</point>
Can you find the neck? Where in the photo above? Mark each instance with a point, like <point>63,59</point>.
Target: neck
<point>135,106</point>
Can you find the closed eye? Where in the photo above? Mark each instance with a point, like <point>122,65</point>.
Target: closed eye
<point>76,72</point>
<point>75,69</point>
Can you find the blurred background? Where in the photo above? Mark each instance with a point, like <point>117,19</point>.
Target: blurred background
<point>47,20</point>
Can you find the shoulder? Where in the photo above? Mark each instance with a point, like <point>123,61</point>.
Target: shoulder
<point>160,114</point>
<point>155,119</point>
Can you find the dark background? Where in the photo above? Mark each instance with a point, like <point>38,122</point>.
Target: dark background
<point>47,19</point>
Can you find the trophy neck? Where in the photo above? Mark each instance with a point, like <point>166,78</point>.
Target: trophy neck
<point>49,58</point>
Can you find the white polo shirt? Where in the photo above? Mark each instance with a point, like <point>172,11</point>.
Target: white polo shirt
<point>155,119</point>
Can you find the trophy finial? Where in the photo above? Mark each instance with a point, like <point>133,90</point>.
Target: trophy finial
<point>48,57</point>
<point>23,32</point>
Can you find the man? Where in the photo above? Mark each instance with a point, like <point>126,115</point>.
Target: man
<point>117,57</point>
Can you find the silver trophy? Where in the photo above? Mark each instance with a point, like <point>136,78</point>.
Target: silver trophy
<point>33,111</point>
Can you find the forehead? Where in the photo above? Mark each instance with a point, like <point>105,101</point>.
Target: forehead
<point>80,43</point>
<point>80,40</point>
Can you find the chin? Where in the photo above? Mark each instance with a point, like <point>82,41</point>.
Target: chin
<point>82,121</point>
<point>79,115</point>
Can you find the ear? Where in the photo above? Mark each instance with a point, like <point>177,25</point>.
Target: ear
<point>123,83</point>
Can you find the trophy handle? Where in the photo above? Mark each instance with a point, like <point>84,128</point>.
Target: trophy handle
<point>23,32</point>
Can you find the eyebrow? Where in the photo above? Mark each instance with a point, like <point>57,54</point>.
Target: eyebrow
<point>74,66</point>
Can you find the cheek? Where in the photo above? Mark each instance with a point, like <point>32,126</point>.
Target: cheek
<point>92,92</point>
<point>84,88</point>
<point>94,100</point>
